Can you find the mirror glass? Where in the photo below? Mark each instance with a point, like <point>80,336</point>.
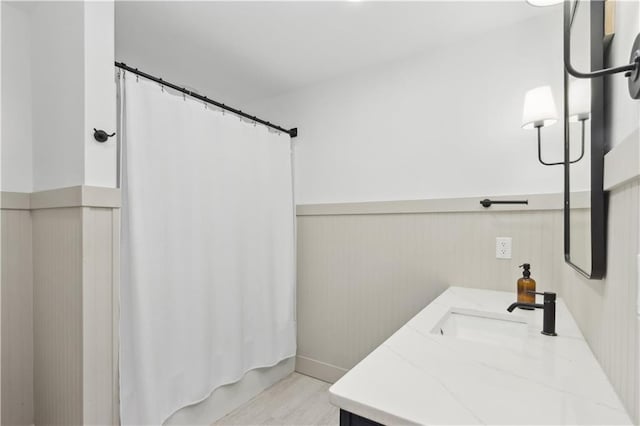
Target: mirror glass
<point>578,92</point>
<point>584,122</point>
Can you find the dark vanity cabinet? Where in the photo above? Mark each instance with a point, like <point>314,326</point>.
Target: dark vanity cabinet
<point>349,419</point>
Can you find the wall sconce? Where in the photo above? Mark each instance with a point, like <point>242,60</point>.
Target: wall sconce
<point>540,111</point>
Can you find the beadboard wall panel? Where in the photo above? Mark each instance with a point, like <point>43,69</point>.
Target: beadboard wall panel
<point>17,318</point>
<point>606,310</point>
<point>57,253</point>
<point>76,253</point>
<point>100,251</point>
<point>360,277</point>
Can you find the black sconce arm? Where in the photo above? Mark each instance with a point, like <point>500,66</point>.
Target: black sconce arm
<point>631,70</point>
<point>582,122</point>
<point>605,71</point>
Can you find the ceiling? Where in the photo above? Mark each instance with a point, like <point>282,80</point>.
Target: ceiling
<point>242,51</point>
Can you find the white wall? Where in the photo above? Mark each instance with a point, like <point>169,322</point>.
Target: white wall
<point>58,94</point>
<point>16,101</point>
<point>62,84</point>
<point>100,93</point>
<point>444,124</point>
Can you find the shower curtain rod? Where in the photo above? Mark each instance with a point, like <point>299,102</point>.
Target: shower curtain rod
<point>291,132</point>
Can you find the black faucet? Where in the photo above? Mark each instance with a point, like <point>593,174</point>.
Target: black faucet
<point>549,307</point>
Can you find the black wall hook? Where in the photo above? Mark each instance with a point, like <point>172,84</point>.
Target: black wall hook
<point>102,136</point>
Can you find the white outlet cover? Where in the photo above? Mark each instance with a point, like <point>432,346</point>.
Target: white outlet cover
<point>503,247</point>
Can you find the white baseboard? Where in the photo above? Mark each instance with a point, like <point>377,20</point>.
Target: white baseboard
<point>319,370</point>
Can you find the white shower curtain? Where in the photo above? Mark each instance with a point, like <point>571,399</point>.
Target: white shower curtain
<point>207,289</point>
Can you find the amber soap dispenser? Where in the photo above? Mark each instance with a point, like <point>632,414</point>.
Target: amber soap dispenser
<point>526,284</point>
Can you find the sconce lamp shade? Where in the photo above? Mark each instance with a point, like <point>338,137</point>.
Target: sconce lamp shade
<point>579,100</point>
<point>539,108</point>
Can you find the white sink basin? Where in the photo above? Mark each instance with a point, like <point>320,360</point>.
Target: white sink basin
<point>483,327</point>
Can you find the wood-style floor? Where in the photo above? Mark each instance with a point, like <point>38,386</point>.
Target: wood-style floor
<point>295,400</point>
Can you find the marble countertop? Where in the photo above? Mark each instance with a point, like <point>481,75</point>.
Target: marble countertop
<point>420,377</point>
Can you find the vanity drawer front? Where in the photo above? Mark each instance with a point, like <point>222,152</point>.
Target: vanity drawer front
<point>350,419</point>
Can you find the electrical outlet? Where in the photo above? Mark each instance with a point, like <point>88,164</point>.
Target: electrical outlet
<point>503,248</point>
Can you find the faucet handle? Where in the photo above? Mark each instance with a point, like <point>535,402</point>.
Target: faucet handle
<point>548,295</point>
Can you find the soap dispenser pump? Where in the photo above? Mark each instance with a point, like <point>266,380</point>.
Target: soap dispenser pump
<point>526,286</point>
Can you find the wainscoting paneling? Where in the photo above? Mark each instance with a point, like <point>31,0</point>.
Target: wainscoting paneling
<point>17,318</point>
<point>360,277</point>
<point>57,251</point>
<point>76,270</point>
<point>100,249</point>
<point>606,310</point>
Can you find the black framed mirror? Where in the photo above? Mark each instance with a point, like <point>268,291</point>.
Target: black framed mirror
<point>585,138</point>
